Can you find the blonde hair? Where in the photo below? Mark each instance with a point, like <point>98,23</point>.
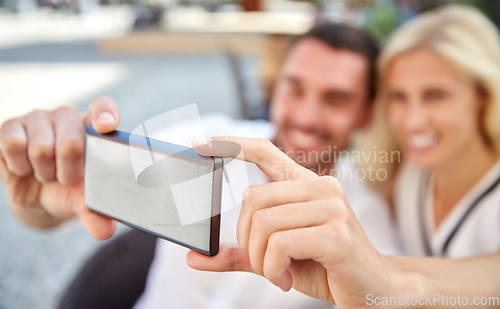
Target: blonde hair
<point>467,40</point>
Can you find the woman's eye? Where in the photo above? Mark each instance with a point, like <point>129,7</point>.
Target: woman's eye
<point>396,97</point>
<point>434,95</point>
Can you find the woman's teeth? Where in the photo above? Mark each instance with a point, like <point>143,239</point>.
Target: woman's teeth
<point>304,140</point>
<point>422,140</point>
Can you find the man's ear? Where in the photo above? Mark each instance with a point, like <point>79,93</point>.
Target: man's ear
<point>367,115</point>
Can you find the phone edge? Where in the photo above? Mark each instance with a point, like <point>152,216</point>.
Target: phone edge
<point>214,238</point>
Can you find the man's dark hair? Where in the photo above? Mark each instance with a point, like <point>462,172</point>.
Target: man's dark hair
<point>341,36</point>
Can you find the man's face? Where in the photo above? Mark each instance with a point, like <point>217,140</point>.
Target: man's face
<point>319,99</point>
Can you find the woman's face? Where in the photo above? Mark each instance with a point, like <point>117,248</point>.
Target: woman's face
<point>433,110</point>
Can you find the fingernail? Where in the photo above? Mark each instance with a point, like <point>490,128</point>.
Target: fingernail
<point>198,141</point>
<point>105,118</point>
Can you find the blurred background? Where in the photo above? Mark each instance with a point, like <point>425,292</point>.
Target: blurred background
<point>151,56</point>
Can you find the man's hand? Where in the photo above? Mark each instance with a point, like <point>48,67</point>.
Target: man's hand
<point>298,231</point>
<point>42,165</point>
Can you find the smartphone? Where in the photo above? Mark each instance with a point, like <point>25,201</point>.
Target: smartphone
<point>163,189</point>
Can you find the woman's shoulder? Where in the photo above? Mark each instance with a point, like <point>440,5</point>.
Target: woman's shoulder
<point>406,185</point>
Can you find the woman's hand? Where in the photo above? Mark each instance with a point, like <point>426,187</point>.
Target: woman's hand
<point>298,231</point>
<point>42,164</point>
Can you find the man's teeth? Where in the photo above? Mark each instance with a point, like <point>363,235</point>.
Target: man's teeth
<point>304,140</point>
<point>423,140</point>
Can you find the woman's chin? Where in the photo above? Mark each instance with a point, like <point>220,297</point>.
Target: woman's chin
<point>422,161</point>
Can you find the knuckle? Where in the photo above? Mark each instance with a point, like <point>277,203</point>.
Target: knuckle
<point>276,242</point>
<point>328,181</point>
<point>37,114</point>
<point>261,220</point>
<point>12,145</point>
<point>341,233</point>
<point>41,152</point>
<point>71,149</point>
<point>251,195</point>
<point>9,123</point>
<point>65,179</point>
<point>265,143</point>
<point>262,141</point>
<point>339,209</point>
<point>66,110</point>
<point>330,184</point>
<point>329,209</point>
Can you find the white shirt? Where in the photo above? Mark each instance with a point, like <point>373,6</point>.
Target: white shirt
<point>173,284</point>
<point>471,228</point>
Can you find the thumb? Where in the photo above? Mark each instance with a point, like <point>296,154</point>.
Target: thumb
<point>98,226</point>
<point>230,258</point>
<point>103,115</point>
<point>270,159</point>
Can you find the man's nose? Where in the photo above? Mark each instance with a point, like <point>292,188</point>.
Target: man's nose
<point>308,114</point>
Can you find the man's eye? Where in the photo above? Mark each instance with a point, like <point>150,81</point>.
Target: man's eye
<point>337,99</point>
<point>294,92</point>
<point>337,102</point>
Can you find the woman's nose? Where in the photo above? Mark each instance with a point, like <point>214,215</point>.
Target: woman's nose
<point>416,116</point>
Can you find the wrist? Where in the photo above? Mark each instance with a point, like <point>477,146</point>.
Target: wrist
<point>406,282</point>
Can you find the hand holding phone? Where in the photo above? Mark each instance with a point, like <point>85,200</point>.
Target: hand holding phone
<point>42,165</point>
